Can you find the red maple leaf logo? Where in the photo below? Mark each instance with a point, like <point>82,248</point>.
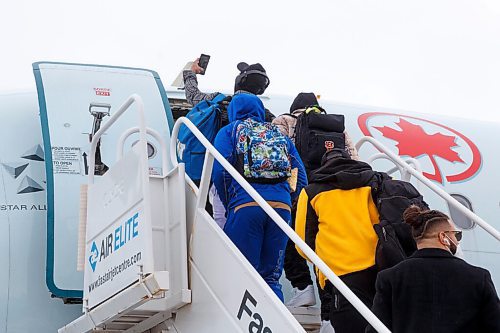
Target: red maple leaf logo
<point>413,141</point>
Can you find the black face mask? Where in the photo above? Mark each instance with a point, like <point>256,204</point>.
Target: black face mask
<point>452,246</point>
<point>453,249</point>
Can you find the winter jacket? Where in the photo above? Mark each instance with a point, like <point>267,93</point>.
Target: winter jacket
<point>245,106</point>
<point>436,292</point>
<point>193,94</point>
<point>336,214</point>
<point>286,123</point>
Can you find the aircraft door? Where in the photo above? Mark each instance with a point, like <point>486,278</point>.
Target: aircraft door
<point>75,100</point>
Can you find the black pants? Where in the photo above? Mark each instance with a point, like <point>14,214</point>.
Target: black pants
<point>297,272</point>
<point>343,316</point>
<point>296,268</point>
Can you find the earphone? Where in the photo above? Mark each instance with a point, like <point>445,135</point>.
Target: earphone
<point>446,241</point>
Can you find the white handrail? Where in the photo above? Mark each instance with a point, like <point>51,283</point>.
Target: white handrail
<point>404,174</point>
<point>410,161</point>
<point>82,228</point>
<point>154,134</point>
<point>320,264</point>
<point>439,191</point>
<point>142,129</point>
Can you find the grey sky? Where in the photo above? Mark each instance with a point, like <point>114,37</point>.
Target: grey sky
<point>440,56</point>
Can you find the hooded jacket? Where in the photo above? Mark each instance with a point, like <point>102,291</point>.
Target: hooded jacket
<point>244,106</point>
<point>336,214</point>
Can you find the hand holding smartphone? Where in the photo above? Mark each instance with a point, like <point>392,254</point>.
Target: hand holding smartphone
<point>203,62</point>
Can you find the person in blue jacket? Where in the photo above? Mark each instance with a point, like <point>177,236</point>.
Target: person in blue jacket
<point>255,234</point>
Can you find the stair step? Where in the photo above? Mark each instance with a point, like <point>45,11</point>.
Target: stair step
<point>308,317</point>
<point>127,321</point>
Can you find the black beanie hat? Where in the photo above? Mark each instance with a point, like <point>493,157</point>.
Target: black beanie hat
<point>334,153</point>
<point>254,83</point>
<point>303,100</point>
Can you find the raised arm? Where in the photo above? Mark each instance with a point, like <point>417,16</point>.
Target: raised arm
<point>193,94</point>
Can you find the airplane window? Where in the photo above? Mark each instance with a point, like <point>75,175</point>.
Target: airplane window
<point>151,149</point>
<point>460,219</point>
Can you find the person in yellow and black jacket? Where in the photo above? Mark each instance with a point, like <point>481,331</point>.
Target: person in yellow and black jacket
<point>335,217</point>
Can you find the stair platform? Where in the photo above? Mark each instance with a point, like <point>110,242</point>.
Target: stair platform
<point>308,317</point>
<point>121,313</point>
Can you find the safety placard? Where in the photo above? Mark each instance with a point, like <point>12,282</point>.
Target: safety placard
<point>67,160</point>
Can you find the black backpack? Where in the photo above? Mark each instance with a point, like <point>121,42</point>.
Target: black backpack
<point>395,240</point>
<point>315,133</point>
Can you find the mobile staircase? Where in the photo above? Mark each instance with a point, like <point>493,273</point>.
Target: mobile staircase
<point>155,261</point>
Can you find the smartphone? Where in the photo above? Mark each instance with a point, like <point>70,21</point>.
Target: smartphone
<point>203,62</point>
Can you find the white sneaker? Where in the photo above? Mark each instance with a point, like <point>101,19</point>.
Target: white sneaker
<point>302,298</point>
<point>326,327</point>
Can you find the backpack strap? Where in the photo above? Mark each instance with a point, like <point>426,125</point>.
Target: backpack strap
<point>380,231</point>
<point>203,104</point>
<point>219,98</point>
<point>315,109</point>
<point>377,185</point>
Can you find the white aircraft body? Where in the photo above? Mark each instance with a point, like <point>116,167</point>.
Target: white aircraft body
<point>40,286</point>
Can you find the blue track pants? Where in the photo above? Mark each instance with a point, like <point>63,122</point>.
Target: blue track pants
<point>261,241</point>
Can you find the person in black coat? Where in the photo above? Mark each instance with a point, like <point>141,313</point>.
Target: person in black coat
<point>434,291</point>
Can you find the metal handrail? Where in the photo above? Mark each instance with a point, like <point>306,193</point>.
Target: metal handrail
<point>82,229</point>
<point>154,134</point>
<point>436,189</point>
<point>212,153</point>
<point>410,161</point>
<point>134,98</point>
<point>404,174</point>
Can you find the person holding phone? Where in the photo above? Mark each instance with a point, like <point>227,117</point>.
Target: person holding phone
<point>193,94</point>
<point>252,79</point>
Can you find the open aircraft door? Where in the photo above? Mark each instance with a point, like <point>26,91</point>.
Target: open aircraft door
<point>75,100</point>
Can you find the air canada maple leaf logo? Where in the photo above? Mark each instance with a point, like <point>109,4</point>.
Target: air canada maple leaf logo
<point>431,143</point>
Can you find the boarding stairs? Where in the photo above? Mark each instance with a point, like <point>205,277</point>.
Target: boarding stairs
<point>156,261</point>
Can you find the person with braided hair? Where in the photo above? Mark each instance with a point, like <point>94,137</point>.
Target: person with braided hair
<point>433,290</point>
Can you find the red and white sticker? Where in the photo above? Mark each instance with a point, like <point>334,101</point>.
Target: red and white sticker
<point>102,91</point>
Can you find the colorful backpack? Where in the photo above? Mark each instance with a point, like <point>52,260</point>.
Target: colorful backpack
<point>262,152</point>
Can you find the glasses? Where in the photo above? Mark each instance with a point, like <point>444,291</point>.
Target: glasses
<point>458,234</point>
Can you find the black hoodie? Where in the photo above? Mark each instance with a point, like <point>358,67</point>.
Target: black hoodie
<point>343,173</point>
